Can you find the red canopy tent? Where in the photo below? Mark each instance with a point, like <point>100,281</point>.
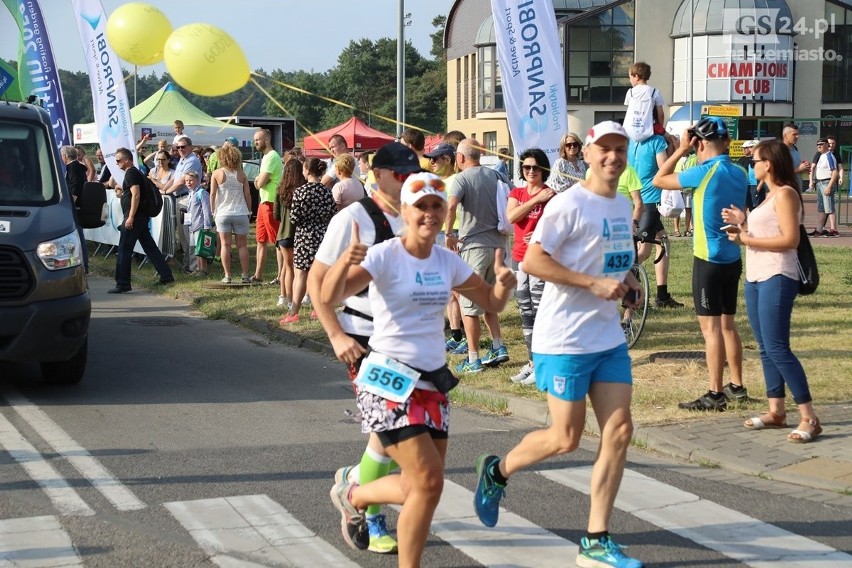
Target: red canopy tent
<point>432,141</point>
<point>358,136</point>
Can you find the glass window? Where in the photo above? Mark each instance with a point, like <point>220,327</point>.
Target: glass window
<point>26,166</point>
<point>488,87</point>
<point>836,72</point>
<point>600,54</point>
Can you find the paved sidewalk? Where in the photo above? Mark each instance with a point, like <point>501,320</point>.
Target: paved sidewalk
<point>722,441</point>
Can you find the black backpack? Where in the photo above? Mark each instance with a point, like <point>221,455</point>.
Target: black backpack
<point>152,199</point>
<point>383,228</point>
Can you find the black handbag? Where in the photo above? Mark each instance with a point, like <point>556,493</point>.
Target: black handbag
<point>806,261</point>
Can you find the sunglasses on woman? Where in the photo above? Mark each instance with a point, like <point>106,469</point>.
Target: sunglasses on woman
<point>531,168</point>
<point>417,185</point>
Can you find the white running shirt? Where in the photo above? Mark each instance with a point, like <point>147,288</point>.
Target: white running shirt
<point>592,234</point>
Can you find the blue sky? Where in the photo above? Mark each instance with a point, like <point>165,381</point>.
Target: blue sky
<point>274,34</point>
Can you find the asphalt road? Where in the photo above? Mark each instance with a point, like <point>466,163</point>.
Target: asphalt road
<point>175,409</point>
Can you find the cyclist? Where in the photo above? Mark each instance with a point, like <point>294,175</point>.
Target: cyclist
<point>717,265</point>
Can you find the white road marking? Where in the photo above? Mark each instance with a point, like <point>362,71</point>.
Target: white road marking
<point>513,542</point>
<point>253,531</point>
<point>115,492</point>
<point>36,542</point>
<point>737,536</point>
<point>64,498</point>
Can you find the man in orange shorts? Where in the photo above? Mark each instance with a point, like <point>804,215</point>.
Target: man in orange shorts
<point>266,182</point>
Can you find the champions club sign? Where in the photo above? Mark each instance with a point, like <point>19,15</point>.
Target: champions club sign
<point>532,73</point>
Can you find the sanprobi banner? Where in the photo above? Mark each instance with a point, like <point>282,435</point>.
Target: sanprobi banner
<point>109,95</point>
<point>532,74</point>
<point>37,72</point>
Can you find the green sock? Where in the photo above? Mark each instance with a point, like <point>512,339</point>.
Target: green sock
<point>373,467</point>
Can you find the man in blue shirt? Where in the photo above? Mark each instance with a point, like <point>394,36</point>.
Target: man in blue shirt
<point>717,265</point>
<point>646,157</point>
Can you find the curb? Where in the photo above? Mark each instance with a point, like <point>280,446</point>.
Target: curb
<point>652,439</point>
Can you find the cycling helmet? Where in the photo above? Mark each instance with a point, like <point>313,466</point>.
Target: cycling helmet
<point>710,128</point>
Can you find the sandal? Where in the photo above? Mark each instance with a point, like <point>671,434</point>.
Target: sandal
<point>688,234</point>
<point>799,436</point>
<point>766,420</point>
<point>676,234</point>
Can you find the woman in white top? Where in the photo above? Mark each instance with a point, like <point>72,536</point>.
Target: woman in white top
<point>347,190</point>
<point>230,201</point>
<point>410,281</point>
<point>161,173</point>
<point>772,283</point>
<point>569,168</point>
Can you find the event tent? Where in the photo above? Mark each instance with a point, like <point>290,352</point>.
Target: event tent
<point>158,112</point>
<point>358,136</point>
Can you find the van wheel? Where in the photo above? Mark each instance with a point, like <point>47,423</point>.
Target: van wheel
<point>68,372</point>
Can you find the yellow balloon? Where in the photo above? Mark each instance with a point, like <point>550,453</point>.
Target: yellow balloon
<point>206,60</point>
<point>138,32</point>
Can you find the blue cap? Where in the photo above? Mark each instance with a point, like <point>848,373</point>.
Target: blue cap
<point>233,140</point>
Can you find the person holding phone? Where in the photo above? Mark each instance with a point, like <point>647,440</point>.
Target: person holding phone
<point>771,236</point>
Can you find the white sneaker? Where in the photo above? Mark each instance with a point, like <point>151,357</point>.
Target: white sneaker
<point>306,301</point>
<point>524,373</point>
<point>530,380</point>
<point>281,301</point>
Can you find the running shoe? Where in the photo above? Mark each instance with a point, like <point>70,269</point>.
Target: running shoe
<point>288,319</point>
<point>461,348</point>
<point>342,474</point>
<point>815,233</point>
<point>705,402</point>
<point>833,233</point>
<point>246,279</point>
<point>734,393</point>
<point>525,372</point>
<point>380,540</point>
<point>452,344</point>
<point>496,356</point>
<point>603,553</point>
<point>486,500</point>
<point>274,282</point>
<point>353,526</point>
<point>825,234</point>
<point>282,301</point>
<point>226,280</point>
<point>667,303</point>
<point>468,367</point>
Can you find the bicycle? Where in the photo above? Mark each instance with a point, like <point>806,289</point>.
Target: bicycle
<point>633,319</point>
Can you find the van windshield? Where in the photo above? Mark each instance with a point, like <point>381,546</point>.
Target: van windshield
<point>26,166</point>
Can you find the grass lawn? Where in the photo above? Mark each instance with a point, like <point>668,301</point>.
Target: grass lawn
<point>821,333</point>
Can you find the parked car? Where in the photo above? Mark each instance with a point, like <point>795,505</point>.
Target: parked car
<point>44,298</point>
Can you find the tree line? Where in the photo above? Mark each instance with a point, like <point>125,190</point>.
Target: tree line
<point>364,77</point>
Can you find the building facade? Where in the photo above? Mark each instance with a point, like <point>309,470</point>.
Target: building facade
<point>775,60</point>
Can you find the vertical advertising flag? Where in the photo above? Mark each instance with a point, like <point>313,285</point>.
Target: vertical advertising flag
<point>532,73</point>
<point>109,95</point>
<point>37,71</point>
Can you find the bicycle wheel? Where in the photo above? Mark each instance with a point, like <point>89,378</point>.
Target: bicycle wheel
<point>633,320</point>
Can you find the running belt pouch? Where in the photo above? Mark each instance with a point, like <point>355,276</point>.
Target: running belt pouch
<point>205,246</point>
<point>806,261</point>
<point>443,379</point>
<point>380,222</point>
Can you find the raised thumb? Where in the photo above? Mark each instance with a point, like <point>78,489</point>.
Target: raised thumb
<point>355,236</point>
<point>498,258</point>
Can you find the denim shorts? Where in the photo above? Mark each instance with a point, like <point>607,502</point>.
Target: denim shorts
<point>825,203</point>
<point>568,377</point>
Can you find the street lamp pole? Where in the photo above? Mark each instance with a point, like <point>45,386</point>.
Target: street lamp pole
<point>400,70</point>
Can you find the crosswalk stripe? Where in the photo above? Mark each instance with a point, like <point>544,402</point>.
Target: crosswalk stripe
<point>513,542</point>
<point>64,498</point>
<point>731,533</point>
<point>253,530</point>
<point>101,479</point>
<point>36,542</point>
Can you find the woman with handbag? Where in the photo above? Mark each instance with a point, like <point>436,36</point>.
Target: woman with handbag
<point>771,235</point>
<point>403,384</point>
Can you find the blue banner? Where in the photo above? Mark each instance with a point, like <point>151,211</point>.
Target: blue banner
<point>37,71</point>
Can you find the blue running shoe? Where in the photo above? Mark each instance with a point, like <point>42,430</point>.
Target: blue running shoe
<point>468,367</point>
<point>486,500</point>
<point>604,553</point>
<point>461,348</point>
<point>451,344</point>
<point>381,541</point>
<point>496,356</point>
